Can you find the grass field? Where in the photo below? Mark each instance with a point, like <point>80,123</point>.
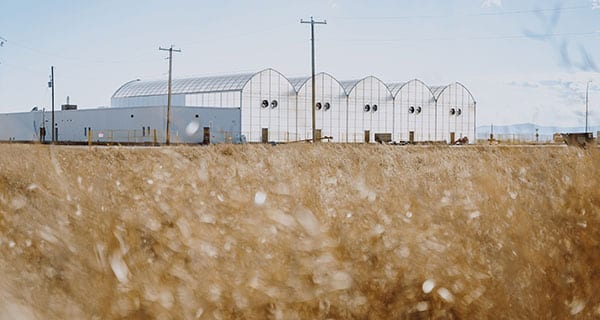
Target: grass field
<point>299,232</point>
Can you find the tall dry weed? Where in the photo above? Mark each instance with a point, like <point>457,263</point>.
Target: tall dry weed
<point>299,232</point>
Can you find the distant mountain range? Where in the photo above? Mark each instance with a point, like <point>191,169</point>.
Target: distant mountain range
<point>528,129</point>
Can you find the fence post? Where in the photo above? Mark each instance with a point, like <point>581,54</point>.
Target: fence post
<point>89,137</point>
<point>155,137</point>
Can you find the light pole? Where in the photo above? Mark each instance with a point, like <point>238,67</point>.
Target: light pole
<point>587,90</point>
<point>312,41</point>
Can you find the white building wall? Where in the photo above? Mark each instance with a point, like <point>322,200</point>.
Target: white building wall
<point>369,91</point>
<point>280,120</point>
<point>409,99</point>
<point>332,121</point>
<point>23,126</point>
<point>227,99</point>
<point>127,125</point>
<point>456,97</point>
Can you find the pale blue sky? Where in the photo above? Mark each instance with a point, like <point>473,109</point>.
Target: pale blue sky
<point>494,47</point>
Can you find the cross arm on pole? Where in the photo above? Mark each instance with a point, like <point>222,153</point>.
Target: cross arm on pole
<point>313,21</point>
<point>169,49</point>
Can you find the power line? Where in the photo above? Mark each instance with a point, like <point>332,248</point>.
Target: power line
<point>134,59</point>
<point>498,37</point>
<point>501,13</point>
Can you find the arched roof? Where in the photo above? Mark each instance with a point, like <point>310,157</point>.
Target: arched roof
<point>396,87</point>
<point>439,90</point>
<point>349,85</point>
<point>300,82</point>
<point>235,82</point>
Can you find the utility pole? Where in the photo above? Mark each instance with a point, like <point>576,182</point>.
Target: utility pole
<point>51,85</point>
<point>171,50</point>
<point>312,41</point>
<point>587,90</point>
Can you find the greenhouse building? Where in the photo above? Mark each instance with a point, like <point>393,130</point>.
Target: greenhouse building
<point>263,106</point>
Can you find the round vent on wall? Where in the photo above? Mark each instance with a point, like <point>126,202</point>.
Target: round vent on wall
<point>411,109</point>
<point>375,108</point>
<point>419,109</point>
<point>319,106</point>
<point>327,106</point>
<point>265,103</point>
<point>367,108</point>
<point>274,104</point>
<point>452,111</point>
<point>458,112</point>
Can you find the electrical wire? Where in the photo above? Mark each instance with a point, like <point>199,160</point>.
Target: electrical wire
<point>436,39</point>
<point>485,14</point>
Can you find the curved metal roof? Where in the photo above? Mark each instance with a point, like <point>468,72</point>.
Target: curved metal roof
<point>396,87</point>
<point>300,82</point>
<point>438,90</point>
<point>182,86</point>
<point>349,85</point>
<point>297,83</point>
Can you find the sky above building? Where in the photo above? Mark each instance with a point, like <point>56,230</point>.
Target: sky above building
<point>524,61</point>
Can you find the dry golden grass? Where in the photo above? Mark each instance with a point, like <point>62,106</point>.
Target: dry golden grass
<point>299,231</point>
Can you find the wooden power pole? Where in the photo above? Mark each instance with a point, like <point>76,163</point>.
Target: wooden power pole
<point>171,50</point>
<point>312,40</point>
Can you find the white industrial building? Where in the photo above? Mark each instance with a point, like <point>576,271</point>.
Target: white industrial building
<point>263,106</point>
